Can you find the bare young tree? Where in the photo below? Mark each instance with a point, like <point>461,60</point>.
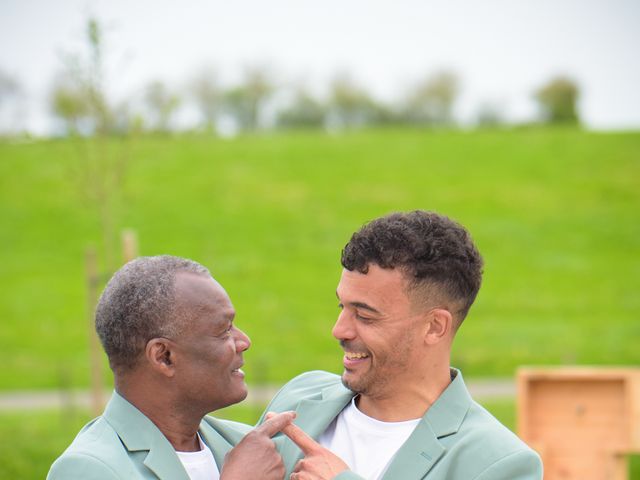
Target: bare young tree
<point>79,98</point>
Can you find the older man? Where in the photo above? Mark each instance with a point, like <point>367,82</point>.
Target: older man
<point>176,355</point>
<point>400,411</point>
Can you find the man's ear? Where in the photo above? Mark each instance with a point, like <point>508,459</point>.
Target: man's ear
<point>159,354</point>
<point>439,326</point>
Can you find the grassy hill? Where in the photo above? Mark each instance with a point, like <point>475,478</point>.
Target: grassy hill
<point>556,214</point>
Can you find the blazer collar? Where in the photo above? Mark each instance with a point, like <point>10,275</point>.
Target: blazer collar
<point>423,449</point>
<point>447,413</point>
<point>138,433</point>
<point>219,437</point>
<point>314,416</point>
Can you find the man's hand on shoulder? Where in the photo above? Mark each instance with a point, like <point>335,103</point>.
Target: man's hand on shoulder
<point>255,456</point>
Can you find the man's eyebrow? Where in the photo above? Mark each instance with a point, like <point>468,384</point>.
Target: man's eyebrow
<point>362,305</point>
<point>229,315</point>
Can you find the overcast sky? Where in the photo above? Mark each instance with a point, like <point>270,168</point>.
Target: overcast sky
<point>501,49</point>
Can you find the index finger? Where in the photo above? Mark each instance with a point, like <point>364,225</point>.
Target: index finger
<point>275,423</point>
<point>307,444</point>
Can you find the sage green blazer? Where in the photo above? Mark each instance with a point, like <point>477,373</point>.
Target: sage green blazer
<point>456,439</point>
<point>124,444</point>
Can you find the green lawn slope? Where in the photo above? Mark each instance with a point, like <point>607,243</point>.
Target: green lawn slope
<point>556,214</point>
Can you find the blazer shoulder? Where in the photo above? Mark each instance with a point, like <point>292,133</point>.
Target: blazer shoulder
<point>481,423</point>
<point>308,385</point>
<point>81,466</point>
<point>520,465</point>
<point>96,452</point>
<point>485,449</point>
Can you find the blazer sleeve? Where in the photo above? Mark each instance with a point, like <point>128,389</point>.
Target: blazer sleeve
<point>521,465</point>
<point>80,466</point>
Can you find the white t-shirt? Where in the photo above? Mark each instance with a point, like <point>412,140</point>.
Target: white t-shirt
<point>365,444</point>
<point>200,465</point>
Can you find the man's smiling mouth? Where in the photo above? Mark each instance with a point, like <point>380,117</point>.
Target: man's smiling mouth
<point>355,355</point>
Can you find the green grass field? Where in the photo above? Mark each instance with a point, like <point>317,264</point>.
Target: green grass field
<point>556,214</point>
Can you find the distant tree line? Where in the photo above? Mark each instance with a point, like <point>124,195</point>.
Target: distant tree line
<point>79,100</point>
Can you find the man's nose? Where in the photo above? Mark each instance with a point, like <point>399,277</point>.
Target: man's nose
<point>343,329</point>
<point>243,342</point>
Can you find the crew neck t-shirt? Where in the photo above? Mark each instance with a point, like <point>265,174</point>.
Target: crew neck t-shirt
<point>365,444</point>
<point>200,465</point>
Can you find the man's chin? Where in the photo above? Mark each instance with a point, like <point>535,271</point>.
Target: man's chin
<point>238,393</point>
<point>352,383</point>
<point>234,397</point>
<point>243,394</point>
<point>239,396</point>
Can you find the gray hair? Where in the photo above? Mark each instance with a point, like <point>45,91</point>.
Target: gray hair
<point>138,304</point>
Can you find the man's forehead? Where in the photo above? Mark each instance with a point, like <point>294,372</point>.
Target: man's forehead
<point>199,291</point>
<point>375,277</point>
<point>378,282</point>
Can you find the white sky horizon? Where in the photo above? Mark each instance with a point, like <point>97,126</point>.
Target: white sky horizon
<point>503,50</point>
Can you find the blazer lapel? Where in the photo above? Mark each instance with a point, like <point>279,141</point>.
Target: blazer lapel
<point>163,461</point>
<point>138,433</point>
<point>415,458</point>
<point>219,437</point>
<point>314,416</point>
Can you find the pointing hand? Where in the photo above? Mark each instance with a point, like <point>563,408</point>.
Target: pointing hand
<point>318,462</point>
<point>255,456</point>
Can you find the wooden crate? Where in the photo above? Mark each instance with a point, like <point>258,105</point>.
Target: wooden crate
<point>583,421</point>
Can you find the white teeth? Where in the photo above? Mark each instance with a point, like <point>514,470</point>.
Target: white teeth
<point>355,355</point>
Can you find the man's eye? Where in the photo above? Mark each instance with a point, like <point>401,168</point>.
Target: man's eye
<point>363,318</point>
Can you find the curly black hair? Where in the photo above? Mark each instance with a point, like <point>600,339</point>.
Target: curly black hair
<point>432,249</point>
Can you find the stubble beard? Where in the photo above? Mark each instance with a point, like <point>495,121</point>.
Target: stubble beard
<point>358,386</point>
<point>375,382</point>
<point>370,384</point>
